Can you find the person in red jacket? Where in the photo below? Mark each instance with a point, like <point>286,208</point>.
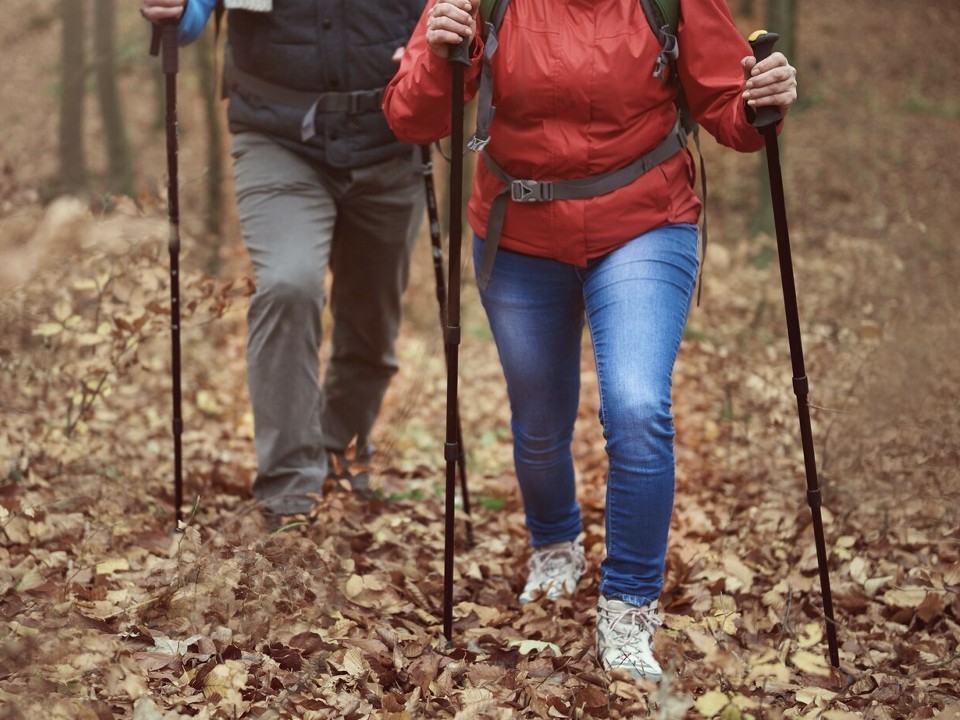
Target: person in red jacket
<point>584,212</point>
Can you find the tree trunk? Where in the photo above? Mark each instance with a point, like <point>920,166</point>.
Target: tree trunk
<point>120,171</point>
<point>206,50</point>
<point>782,19</point>
<point>73,172</point>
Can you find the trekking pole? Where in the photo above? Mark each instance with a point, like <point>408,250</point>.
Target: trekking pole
<point>766,118</point>
<point>458,57</point>
<point>165,38</point>
<point>437,252</point>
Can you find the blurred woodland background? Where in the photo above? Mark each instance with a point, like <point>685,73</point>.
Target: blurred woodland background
<point>104,615</point>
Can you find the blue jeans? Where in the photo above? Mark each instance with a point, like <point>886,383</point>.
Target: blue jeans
<point>635,301</point>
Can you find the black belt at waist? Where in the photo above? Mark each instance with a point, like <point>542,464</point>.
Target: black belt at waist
<point>358,101</point>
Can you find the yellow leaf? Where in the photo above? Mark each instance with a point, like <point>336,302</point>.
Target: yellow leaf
<point>722,621</point>
<point>353,662</point>
<point>89,339</point>
<point>31,579</point>
<point>711,703</point>
<point>528,646</point>
<point>745,703</point>
<point>739,576</point>
<point>62,310</point>
<point>809,662</point>
<point>112,566</point>
<point>814,695</point>
<point>858,569</point>
<point>354,586</point>
<point>225,680</point>
<point>48,329</point>
<point>811,635</point>
<point>711,431</point>
<point>872,585</point>
<point>732,712</point>
<point>207,404</point>
<point>23,630</point>
<point>372,582</point>
<point>764,673</point>
<point>485,614</point>
<point>905,597</point>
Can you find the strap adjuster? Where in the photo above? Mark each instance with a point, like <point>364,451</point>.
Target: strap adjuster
<point>531,191</point>
<point>477,143</point>
<point>364,101</point>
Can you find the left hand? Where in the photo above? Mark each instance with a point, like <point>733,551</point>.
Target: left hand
<point>451,22</point>
<point>771,82</point>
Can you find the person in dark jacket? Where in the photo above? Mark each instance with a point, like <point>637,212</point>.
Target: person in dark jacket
<point>321,183</point>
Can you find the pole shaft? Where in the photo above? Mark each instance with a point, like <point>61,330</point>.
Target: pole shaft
<point>800,383</point>
<point>441,286</point>
<point>170,67</point>
<point>452,338</point>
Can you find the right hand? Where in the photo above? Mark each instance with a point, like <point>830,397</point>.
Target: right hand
<point>159,10</point>
<point>450,22</point>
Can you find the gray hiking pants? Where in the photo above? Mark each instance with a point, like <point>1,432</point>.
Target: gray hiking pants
<point>298,219</point>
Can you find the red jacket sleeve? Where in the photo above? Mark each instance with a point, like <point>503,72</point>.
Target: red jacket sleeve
<point>711,48</point>
<point>417,101</point>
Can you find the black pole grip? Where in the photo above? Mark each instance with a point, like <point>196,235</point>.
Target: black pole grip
<point>762,42</point>
<point>460,53</point>
<point>170,31</point>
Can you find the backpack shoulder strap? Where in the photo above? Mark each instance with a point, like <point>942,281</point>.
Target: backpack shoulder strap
<point>663,16</point>
<point>492,12</point>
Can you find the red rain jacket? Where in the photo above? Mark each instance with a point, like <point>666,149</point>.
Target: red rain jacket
<point>574,97</point>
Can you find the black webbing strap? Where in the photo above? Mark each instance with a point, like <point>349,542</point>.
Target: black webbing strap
<point>520,190</point>
<point>358,101</point>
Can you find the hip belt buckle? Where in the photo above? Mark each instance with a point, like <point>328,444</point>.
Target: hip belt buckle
<point>531,191</point>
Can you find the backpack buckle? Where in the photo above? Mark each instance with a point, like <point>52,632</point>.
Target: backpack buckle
<point>477,143</point>
<point>531,191</point>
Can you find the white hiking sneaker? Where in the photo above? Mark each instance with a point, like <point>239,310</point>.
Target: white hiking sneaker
<point>624,635</point>
<point>555,571</point>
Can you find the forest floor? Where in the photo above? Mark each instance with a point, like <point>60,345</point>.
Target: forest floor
<point>108,614</point>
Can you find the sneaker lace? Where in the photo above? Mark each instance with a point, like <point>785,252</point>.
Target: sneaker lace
<point>632,622</point>
<point>554,563</point>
